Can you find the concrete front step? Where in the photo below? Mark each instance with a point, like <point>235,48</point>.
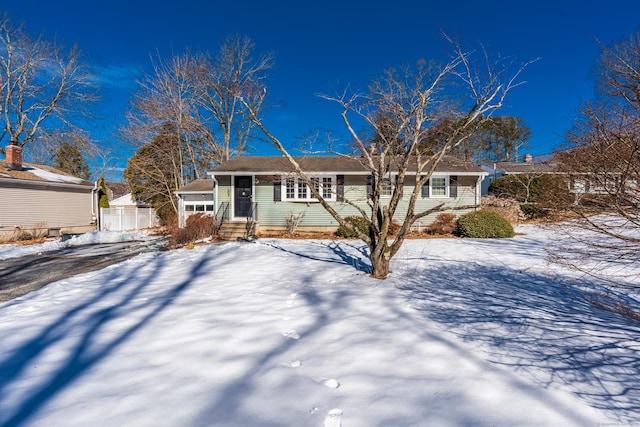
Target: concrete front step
<point>232,230</point>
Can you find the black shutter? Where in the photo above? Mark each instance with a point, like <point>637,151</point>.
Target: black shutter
<point>369,186</point>
<point>453,186</point>
<point>340,188</point>
<point>425,190</point>
<point>277,190</point>
<point>396,188</point>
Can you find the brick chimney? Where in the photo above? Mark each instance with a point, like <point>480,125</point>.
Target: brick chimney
<point>528,158</point>
<point>14,157</point>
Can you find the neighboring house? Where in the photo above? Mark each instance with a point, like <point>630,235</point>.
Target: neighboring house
<point>115,190</point>
<point>196,197</point>
<point>126,214</point>
<point>267,191</point>
<point>43,200</point>
<point>528,166</point>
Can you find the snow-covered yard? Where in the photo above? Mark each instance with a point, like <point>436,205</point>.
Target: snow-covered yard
<point>294,333</point>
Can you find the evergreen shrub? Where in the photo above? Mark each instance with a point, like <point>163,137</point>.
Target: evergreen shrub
<point>358,222</point>
<point>483,224</point>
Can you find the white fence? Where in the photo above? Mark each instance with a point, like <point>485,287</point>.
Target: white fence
<point>122,219</point>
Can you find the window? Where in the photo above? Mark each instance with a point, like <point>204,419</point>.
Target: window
<point>199,207</point>
<point>387,187</point>
<point>441,186</point>
<point>291,188</point>
<point>302,191</point>
<point>327,187</point>
<point>297,190</point>
<point>438,187</point>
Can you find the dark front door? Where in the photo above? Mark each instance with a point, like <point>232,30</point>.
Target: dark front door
<point>242,196</point>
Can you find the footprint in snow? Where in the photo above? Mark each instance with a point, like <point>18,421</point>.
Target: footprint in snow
<point>290,300</point>
<point>291,335</point>
<point>328,382</point>
<point>333,418</point>
<point>293,364</point>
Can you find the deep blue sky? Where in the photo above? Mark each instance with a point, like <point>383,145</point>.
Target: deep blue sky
<point>324,45</point>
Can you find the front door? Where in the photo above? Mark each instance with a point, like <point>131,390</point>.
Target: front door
<point>242,196</point>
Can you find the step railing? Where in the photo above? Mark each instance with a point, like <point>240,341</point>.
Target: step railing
<point>222,214</point>
<point>252,218</point>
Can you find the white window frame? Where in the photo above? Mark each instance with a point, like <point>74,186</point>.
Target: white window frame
<point>301,192</point>
<point>205,206</point>
<point>447,180</point>
<point>387,188</point>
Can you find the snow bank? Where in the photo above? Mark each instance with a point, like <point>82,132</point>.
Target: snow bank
<point>13,251</point>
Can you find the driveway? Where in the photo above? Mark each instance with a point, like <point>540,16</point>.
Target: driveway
<point>19,276</point>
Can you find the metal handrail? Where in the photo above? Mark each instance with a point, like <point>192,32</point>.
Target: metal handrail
<point>222,214</point>
<point>251,218</point>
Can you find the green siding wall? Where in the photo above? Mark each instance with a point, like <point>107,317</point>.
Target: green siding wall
<point>272,213</point>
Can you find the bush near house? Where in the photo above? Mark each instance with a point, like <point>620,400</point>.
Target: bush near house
<point>362,225</point>
<point>445,223</point>
<point>358,222</point>
<point>483,224</point>
<point>198,227</point>
<point>538,194</point>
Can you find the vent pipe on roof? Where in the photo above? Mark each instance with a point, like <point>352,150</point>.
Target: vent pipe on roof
<point>528,158</point>
<point>14,157</point>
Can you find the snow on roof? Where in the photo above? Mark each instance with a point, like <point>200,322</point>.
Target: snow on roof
<point>40,173</point>
<point>54,177</point>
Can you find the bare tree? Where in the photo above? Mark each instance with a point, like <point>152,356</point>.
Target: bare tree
<point>42,87</point>
<point>603,160</point>
<point>197,97</point>
<point>411,101</point>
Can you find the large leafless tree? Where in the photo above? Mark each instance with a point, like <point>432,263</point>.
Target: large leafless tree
<point>399,109</point>
<point>603,162</point>
<point>43,87</point>
<point>197,97</point>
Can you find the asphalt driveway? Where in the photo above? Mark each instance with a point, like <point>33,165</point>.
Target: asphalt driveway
<point>19,276</point>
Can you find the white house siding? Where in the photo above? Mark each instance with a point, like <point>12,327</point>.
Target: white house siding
<point>45,206</point>
<point>274,214</point>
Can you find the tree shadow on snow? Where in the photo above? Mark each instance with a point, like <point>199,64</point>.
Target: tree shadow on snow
<point>354,254</point>
<point>544,328</point>
<point>87,324</point>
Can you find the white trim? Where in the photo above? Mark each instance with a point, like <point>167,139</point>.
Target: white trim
<point>34,183</point>
<point>310,198</point>
<point>446,187</point>
<point>334,173</point>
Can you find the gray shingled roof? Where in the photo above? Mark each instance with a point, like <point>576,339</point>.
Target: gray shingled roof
<point>197,186</point>
<point>336,164</point>
<point>29,172</point>
<point>527,167</point>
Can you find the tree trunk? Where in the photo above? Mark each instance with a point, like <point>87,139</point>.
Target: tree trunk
<point>380,257</point>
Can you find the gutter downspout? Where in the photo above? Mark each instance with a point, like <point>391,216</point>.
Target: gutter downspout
<point>479,190</point>
<point>94,205</point>
<point>215,193</point>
